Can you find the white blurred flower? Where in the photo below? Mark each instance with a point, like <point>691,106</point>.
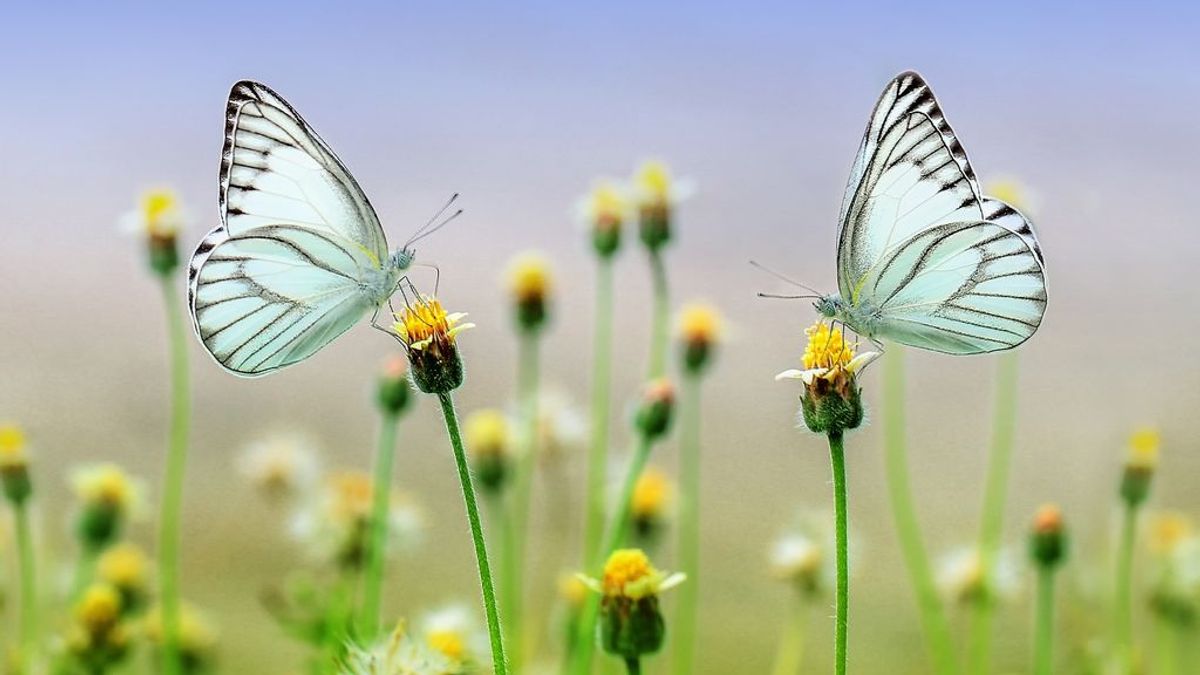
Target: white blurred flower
<point>335,523</point>
<point>159,214</point>
<point>561,425</point>
<point>455,632</point>
<point>961,578</point>
<point>281,464</point>
<point>804,554</point>
<point>399,654</point>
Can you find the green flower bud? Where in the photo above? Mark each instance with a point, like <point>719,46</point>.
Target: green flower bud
<point>393,392</point>
<point>529,282</point>
<point>655,413</point>
<point>1048,539</point>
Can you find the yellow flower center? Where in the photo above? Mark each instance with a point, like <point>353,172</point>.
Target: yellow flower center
<point>651,493</point>
<point>123,566</point>
<point>99,608</point>
<point>487,433</point>
<point>606,205</point>
<point>449,642</point>
<point>106,484</point>
<point>653,179</point>
<point>1143,449</point>
<point>160,212</point>
<point>351,494</point>
<point>1009,191</point>
<point>572,589</point>
<point>529,277</point>
<point>827,347</point>
<point>1168,530</point>
<point>699,323</point>
<point>625,566</point>
<point>426,322</point>
<point>12,445</point>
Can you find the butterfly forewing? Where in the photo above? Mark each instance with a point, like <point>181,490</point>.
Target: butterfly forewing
<point>285,273</point>
<point>944,267</point>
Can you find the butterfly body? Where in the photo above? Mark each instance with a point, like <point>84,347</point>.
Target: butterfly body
<point>300,256</point>
<point>923,257</point>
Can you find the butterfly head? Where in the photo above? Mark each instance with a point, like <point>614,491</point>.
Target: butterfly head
<point>828,306</point>
<point>402,258</point>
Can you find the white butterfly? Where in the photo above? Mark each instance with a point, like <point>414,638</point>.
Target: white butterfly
<point>924,258</point>
<point>299,256</point>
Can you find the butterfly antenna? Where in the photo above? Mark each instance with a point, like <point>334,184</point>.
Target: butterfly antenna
<point>789,297</point>
<point>785,279</point>
<point>426,232</point>
<point>424,229</point>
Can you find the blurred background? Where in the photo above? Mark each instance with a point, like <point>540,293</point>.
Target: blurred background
<point>519,108</point>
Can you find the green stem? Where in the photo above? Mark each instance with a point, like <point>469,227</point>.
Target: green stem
<point>790,654</point>
<point>381,492</point>
<point>585,642</point>
<point>689,526</point>
<point>337,619</point>
<point>634,664</point>
<point>1004,424</point>
<point>837,457</point>
<point>932,613</point>
<point>85,569</point>
<point>172,498</point>
<point>597,462</point>
<point>28,573</point>
<point>1123,611</point>
<point>658,338</point>
<point>499,662</point>
<point>513,591</point>
<point>1166,652</point>
<point>1043,659</point>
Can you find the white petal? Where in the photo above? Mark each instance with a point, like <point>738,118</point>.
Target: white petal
<point>859,362</point>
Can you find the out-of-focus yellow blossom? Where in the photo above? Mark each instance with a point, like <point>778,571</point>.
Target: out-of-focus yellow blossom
<point>1166,530</point>
<point>490,445</point>
<point>126,568</point>
<point>399,654</point>
<point>159,214</point>
<point>98,638</point>
<point>197,634</point>
<point>604,211</point>
<point>572,590</point>
<point>99,609</point>
<point>12,446</point>
<point>335,524</point>
<point>1009,190</point>
<point>107,485</point>
<point>561,427</point>
<point>656,194</point>
<point>699,331</point>
<point>281,465</point>
<point>454,632</point>
<point>1143,448</point>
<point>1139,467</point>
<point>429,335</point>
<point>652,495</point>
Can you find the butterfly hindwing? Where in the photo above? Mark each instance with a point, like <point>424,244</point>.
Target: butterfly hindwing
<point>960,288</point>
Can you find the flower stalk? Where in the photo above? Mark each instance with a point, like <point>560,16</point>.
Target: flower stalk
<point>932,613</point>
<point>597,460</point>
<point>385,455</point>
<point>790,652</point>
<point>1048,549</point>
<point>1134,490</point>
<point>995,493</point>
<point>841,623</point>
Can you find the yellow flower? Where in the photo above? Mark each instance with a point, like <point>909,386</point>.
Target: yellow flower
<point>1167,530</point>
<point>453,632</point>
<point>125,567</point>
<point>651,494</point>
<point>159,214</point>
<point>827,347</point>
<point>197,634</point>
<point>1009,191</point>
<point>280,465</point>
<point>573,590</point>
<point>487,433</point>
<point>99,609</point>
<point>428,334</point>
<point>106,485</point>
<point>529,277</point>
<point>629,574</point>
<point>654,184</point>
<point>606,205</point>
<point>699,330</point>
<point>12,447</point>
<point>832,400</point>
<point>656,194</point>
<point>961,576</point>
<point>399,654</point>
<point>1143,449</point>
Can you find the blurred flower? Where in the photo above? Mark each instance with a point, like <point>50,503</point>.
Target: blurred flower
<point>652,497</point>
<point>573,590</point>
<point>393,393</point>
<point>1011,191</point>
<point>699,332</point>
<point>832,400</point>
<point>604,210</point>
<point>960,575</point>
<point>803,554</point>
<point>14,464</point>
<point>530,283</point>
<point>97,639</point>
<point>455,633</point>
<point>399,654</point>
<point>631,624</point>
<point>429,334</point>
<point>281,465</point>
<point>126,568</point>
<point>1175,577</point>
<point>108,498</point>
<point>1139,466</point>
<point>1047,537</point>
<point>336,523</point>
<point>656,409</point>
<point>656,194</point>
<point>158,219</point>
<point>197,637</point>
<point>561,426</point>
<point>490,445</point>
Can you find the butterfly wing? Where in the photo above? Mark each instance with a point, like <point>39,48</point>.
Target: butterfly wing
<point>947,268</point>
<point>285,273</point>
<point>959,288</point>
